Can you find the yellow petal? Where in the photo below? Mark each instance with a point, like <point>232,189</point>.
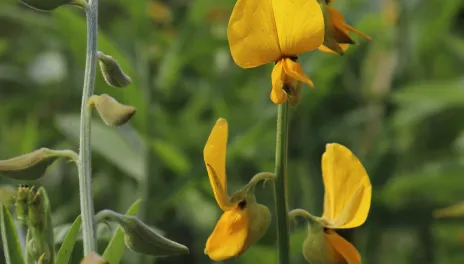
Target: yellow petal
<point>300,25</point>
<point>229,235</point>
<point>348,190</point>
<point>323,48</point>
<point>343,247</point>
<point>278,95</point>
<point>293,70</point>
<point>215,159</point>
<point>252,34</point>
<point>339,22</point>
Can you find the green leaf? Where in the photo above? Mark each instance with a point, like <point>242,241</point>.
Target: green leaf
<point>66,248</point>
<point>11,246</point>
<point>116,247</point>
<point>109,143</point>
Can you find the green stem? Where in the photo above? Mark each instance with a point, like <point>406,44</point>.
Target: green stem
<point>281,184</point>
<point>84,164</point>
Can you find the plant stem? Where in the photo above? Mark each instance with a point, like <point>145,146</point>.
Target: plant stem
<point>281,184</point>
<point>84,164</point>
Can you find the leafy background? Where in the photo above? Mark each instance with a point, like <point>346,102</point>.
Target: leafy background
<point>396,101</point>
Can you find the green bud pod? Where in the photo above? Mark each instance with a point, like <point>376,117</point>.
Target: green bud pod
<point>21,202</point>
<point>112,72</point>
<point>141,238</point>
<point>49,5</point>
<point>32,166</point>
<point>94,258</point>
<point>316,250</point>
<point>34,209</point>
<point>260,219</point>
<point>111,111</point>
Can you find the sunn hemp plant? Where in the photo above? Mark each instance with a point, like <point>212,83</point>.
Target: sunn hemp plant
<point>33,207</point>
<point>259,32</point>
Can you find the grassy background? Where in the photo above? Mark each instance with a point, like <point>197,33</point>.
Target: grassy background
<point>396,101</point>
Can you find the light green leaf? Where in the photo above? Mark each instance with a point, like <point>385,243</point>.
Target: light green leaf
<point>66,248</point>
<point>11,246</point>
<point>116,247</point>
<point>108,142</point>
<point>171,156</point>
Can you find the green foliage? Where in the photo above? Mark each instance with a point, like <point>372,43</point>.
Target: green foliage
<point>64,254</point>
<point>116,247</point>
<point>11,247</point>
<point>396,101</point>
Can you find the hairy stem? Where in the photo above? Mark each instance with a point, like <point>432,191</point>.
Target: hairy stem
<point>84,164</point>
<point>281,184</point>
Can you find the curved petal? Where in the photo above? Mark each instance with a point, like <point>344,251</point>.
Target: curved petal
<point>339,22</point>
<point>214,155</point>
<point>278,95</point>
<point>252,34</point>
<point>343,247</point>
<point>229,235</point>
<point>323,48</point>
<point>293,70</point>
<point>348,190</point>
<point>300,25</point>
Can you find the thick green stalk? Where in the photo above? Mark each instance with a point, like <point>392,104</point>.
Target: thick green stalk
<point>84,164</point>
<point>281,184</point>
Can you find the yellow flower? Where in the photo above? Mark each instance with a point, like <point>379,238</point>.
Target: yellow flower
<point>244,221</point>
<point>337,32</point>
<point>264,31</point>
<point>347,201</point>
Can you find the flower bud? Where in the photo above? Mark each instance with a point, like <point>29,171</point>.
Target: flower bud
<point>111,111</point>
<point>141,238</point>
<point>93,258</point>
<point>260,217</point>
<point>33,208</point>
<point>32,166</point>
<point>49,5</point>
<point>112,72</point>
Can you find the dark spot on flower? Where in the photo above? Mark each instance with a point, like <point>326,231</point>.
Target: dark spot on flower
<point>293,58</point>
<point>326,230</point>
<point>242,204</point>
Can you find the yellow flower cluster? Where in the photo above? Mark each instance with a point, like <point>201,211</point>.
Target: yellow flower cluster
<point>261,32</point>
<point>265,31</point>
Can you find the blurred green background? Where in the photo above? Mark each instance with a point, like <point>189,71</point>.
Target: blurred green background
<point>397,102</point>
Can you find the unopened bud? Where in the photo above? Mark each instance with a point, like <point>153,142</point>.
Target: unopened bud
<point>112,72</point>
<point>94,258</point>
<point>260,219</point>
<point>111,111</point>
<point>141,238</point>
<point>32,166</point>
<point>33,208</point>
<point>49,5</point>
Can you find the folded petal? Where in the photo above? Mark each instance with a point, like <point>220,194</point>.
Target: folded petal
<point>252,34</point>
<point>278,95</point>
<point>347,188</point>
<point>339,22</point>
<point>229,235</point>
<point>214,155</point>
<point>346,250</point>
<point>323,48</point>
<point>300,25</point>
<point>293,70</point>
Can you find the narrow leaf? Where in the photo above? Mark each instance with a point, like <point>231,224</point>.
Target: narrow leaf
<point>11,246</point>
<point>64,254</point>
<point>116,247</point>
